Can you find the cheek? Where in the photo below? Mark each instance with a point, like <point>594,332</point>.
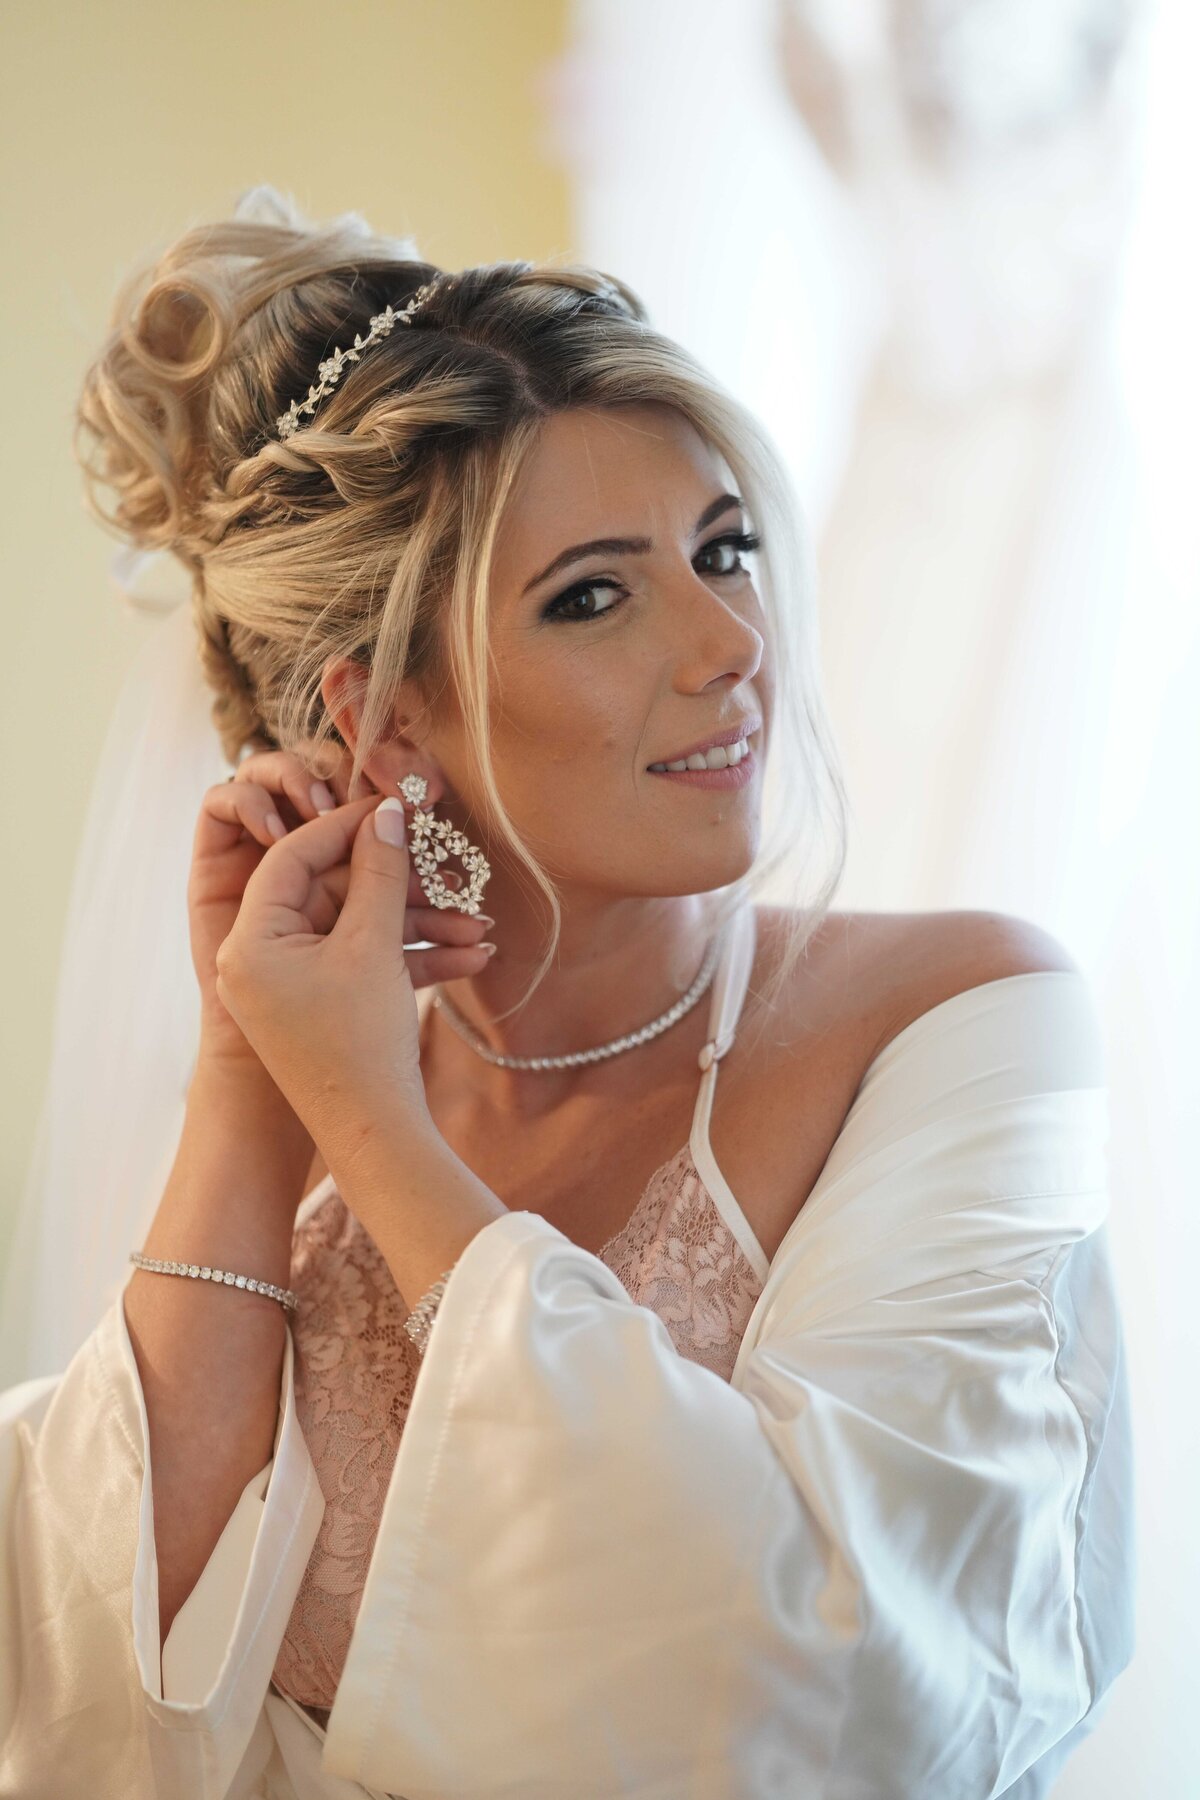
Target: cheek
<point>570,716</point>
<point>569,777</point>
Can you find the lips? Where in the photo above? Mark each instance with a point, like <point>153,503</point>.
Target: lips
<point>733,735</point>
<point>731,775</point>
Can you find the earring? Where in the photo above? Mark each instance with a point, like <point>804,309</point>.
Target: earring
<point>431,841</point>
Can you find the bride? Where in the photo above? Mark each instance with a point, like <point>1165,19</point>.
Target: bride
<point>670,1343</point>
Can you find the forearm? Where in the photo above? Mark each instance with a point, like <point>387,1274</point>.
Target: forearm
<point>419,1202</point>
<point>210,1357</point>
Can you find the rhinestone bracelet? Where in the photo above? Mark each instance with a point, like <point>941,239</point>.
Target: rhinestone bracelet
<point>201,1272</point>
<point>419,1322</point>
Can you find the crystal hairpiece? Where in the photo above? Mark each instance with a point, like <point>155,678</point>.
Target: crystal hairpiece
<point>330,370</point>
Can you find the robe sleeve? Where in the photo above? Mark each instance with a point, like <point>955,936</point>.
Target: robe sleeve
<point>83,1704</point>
<point>892,1556</point>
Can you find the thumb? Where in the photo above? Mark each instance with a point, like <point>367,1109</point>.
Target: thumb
<point>377,892</point>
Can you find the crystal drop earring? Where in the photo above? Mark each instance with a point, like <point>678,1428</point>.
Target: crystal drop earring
<point>431,841</point>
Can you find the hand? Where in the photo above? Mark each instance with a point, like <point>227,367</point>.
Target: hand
<point>230,840</point>
<point>330,1007</point>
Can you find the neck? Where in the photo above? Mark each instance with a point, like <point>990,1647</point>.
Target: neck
<point>628,966</point>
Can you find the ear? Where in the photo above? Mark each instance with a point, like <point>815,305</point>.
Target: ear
<point>343,686</point>
<point>343,689</point>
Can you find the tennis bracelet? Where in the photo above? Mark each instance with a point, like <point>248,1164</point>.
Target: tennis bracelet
<point>418,1324</point>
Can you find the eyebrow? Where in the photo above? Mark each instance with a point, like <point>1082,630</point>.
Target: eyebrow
<point>624,546</point>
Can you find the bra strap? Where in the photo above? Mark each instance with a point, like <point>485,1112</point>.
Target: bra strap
<point>729,987</point>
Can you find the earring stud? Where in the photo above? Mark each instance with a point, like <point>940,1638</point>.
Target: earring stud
<point>431,841</point>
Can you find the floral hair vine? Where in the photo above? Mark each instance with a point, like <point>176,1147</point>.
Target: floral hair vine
<point>330,371</point>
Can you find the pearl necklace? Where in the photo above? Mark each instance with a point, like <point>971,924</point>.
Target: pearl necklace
<point>629,1042</point>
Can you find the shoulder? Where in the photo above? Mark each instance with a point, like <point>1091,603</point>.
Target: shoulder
<point>881,971</point>
<point>913,962</point>
<point>860,980</point>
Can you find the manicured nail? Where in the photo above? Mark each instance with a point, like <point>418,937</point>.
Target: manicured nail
<point>488,949</point>
<point>275,825</point>
<point>482,919</point>
<point>389,821</point>
<point>322,799</point>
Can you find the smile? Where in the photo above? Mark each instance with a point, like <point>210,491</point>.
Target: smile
<point>724,766</point>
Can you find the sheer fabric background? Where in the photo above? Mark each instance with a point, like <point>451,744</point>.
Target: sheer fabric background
<point>127,1010</point>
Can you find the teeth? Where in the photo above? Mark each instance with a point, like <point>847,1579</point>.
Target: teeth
<point>721,756</point>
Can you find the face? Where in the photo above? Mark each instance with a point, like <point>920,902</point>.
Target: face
<point>617,661</point>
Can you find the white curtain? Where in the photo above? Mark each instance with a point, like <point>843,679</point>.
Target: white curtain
<point>981,367</point>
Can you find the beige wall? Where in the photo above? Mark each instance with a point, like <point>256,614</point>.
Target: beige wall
<point>121,124</point>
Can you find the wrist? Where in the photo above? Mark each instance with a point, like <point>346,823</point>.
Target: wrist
<point>235,1185</point>
<point>220,1068</point>
<point>371,1130</point>
<point>419,1201</point>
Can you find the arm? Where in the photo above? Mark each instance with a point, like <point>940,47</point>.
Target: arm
<point>84,1707</point>
<point>210,1360</point>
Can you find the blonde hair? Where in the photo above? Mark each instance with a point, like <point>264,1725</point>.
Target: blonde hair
<point>369,534</point>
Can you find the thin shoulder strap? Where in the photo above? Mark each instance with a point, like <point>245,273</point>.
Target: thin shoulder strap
<point>731,982</point>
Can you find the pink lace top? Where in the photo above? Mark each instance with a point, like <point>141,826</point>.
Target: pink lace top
<point>355,1366</point>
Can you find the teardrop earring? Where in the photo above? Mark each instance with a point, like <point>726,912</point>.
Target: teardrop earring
<point>431,841</point>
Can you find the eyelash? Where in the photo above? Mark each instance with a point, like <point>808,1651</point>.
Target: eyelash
<point>743,541</point>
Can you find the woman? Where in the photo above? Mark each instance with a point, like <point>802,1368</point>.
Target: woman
<point>597,1428</point>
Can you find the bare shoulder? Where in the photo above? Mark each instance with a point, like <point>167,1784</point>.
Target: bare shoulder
<point>877,972</point>
<point>903,964</point>
<point>860,979</point>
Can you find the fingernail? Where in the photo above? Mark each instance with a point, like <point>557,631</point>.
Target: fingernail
<point>389,821</point>
<point>482,919</point>
<point>275,825</point>
<point>453,879</point>
<point>488,949</point>
<point>322,799</point>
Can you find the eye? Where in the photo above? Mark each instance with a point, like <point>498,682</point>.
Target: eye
<point>742,543</point>
<point>557,609</point>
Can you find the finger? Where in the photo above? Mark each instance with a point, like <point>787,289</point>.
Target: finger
<point>443,924</point>
<point>422,921</point>
<point>380,873</point>
<point>442,962</point>
<point>306,856</point>
<point>332,763</point>
<point>276,771</point>
<point>232,808</point>
<point>283,774</point>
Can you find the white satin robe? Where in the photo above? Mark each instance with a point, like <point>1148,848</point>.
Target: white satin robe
<point>892,1558</point>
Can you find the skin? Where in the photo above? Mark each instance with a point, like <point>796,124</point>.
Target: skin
<point>580,708</point>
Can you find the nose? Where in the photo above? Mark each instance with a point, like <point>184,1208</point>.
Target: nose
<point>710,630</point>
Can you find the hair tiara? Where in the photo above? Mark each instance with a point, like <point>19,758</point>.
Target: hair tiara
<point>330,371</point>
